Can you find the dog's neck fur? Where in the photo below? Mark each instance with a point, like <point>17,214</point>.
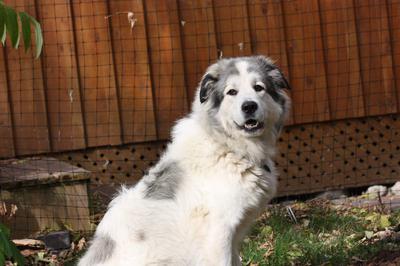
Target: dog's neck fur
<point>255,150</point>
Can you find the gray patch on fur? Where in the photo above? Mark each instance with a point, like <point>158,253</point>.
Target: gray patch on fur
<point>231,69</point>
<point>274,80</point>
<point>162,181</point>
<point>214,81</point>
<point>100,250</point>
<point>141,236</point>
<point>212,84</point>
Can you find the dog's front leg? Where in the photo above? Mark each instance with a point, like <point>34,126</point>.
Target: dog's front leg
<point>219,257</point>
<point>219,251</point>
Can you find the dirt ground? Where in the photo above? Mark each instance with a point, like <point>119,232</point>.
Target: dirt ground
<point>384,258</point>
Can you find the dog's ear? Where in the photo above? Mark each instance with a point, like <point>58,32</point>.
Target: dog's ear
<point>278,78</point>
<point>273,72</point>
<point>207,85</point>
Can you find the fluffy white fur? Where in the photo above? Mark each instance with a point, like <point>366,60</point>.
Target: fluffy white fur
<point>223,187</point>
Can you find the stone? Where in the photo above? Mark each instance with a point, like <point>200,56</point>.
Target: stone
<point>57,240</point>
<point>373,191</point>
<point>395,189</point>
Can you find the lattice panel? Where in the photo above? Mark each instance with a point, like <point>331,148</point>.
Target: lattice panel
<point>123,164</point>
<point>311,158</point>
<point>340,154</point>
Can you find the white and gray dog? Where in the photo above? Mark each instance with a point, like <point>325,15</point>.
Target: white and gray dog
<point>195,206</point>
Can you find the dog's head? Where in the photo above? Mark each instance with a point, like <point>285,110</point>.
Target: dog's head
<point>244,96</point>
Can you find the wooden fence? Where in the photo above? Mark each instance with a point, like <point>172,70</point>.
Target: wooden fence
<point>105,80</point>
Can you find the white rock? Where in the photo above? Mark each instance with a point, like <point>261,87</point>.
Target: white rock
<point>395,189</point>
<point>373,191</point>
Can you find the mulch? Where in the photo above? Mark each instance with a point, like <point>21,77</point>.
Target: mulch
<point>383,258</point>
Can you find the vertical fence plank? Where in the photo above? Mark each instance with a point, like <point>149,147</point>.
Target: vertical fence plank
<point>268,34</point>
<point>267,30</point>
<point>232,26</point>
<point>6,127</point>
<point>394,19</point>
<point>342,59</point>
<point>166,63</point>
<point>199,40</point>
<point>61,76</point>
<point>28,102</point>
<point>306,61</point>
<point>133,72</point>
<point>100,96</point>
<point>376,57</point>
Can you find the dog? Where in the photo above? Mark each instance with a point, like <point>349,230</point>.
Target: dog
<point>195,206</point>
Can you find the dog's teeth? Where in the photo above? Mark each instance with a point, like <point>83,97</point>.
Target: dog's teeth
<point>251,126</point>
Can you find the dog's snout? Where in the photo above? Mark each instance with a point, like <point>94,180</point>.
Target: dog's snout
<point>249,107</point>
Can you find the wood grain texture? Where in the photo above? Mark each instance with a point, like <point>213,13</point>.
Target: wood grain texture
<point>61,76</point>
<point>268,34</point>
<point>199,40</point>
<point>232,28</point>
<point>27,95</point>
<point>133,71</point>
<point>99,89</point>
<point>101,83</point>
<point>394,20</point>
<point>306,61</point>
<point>6,128</point>
<point>342,60</point>
<point>166,63</point>
<point>376,57</point>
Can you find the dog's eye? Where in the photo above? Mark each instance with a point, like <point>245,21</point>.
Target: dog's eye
<point>258,87</point>
<point>232,92</point>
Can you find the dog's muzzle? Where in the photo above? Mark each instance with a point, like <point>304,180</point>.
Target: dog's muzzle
<point>249,107</point>
<point>251,126</point>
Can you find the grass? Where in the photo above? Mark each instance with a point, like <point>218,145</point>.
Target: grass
<point>322,236</point>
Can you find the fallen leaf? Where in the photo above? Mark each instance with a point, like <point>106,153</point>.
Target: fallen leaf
<point>369,234</point>
<point>81,244</point>
<point>306,222</point>
<point>28,243</point>
<point>384,221</point>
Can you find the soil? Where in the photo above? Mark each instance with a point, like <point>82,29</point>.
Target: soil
<point>383,258</point>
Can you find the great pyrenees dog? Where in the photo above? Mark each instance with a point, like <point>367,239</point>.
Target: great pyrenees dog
<point>195,206</point>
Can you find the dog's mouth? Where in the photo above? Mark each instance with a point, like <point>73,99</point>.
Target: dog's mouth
<point>251,125</point>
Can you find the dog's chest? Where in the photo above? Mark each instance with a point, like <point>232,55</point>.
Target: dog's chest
<point>231,191</point>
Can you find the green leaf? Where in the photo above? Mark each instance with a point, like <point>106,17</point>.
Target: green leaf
<point>3,38</point>
<point>38,36</point>
<point>5,245</point>
<point>372,217</point>
<point>2,23</point>
<point>12,26</point>
<point>384,221</point>
<point>40,255</point>
<point>2,259</point>
<point>5,230</point>
<point>266,231</point>
<point>26,29</point>
<point>8,248</point>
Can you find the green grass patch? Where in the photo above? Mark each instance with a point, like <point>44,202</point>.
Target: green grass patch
<point>321,236</point>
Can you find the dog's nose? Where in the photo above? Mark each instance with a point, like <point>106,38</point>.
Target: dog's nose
<point>249,107</point>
